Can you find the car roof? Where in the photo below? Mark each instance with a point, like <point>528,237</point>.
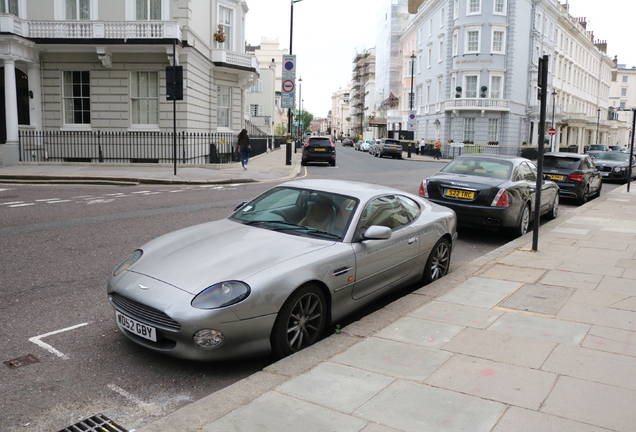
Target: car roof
<point>566,154</point>
<point>360,190</point>
<point>487,156</point>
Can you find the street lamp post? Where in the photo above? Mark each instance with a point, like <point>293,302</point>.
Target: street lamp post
<point>411,100</point>
<point>300,106</point>
<point>598,120</point>
<point>552,137</point>
<point>291,39</point>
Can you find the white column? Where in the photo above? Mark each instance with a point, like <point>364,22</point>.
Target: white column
<point>10,150</point>
<point>35,104</point>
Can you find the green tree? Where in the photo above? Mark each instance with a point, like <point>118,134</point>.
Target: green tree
<point>306,118</point>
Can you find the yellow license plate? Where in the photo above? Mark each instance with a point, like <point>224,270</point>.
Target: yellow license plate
<point>454,193</point>
<point>554,177</point>
<point>319,149</point>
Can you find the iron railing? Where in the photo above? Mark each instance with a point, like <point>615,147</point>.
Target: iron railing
<point>131,147</point>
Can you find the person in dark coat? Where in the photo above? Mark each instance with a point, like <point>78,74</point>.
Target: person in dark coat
<point>244,148</point>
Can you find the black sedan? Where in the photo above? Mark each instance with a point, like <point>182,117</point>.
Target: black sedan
<point>491,192</point>
<point>575,174</point>
<point>615,166</point>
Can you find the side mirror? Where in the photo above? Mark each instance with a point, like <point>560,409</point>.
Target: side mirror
<point>377,232</point>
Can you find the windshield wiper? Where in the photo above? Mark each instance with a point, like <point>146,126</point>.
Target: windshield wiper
<point>288,226</point>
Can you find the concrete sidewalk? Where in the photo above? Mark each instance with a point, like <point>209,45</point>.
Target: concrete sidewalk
<point>515,341</point>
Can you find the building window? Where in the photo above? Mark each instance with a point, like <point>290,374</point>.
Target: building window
<point>148,9</point>
<point>257,87</point>
<point>441,18</point>
<point>498,38</point>
<point>496,82</point>
<point>622,105</point>
<point>493,129</point>
<point>428,57</point>
<point>10,7</point>
<point>78,10</point>
<point>223,103</point>
<point>624,78</point>
<point>144,95</point>
<point>471,86</point>
<point>456,9</point>
<point>623,92</point>
<point>225,19</point>
<point>472,41</point>
<point>77,97</point>
<point>440,56</point>
<point>469,129</point>
<point>500,7</point>
<point>255,110</point>
<point>474,7</point>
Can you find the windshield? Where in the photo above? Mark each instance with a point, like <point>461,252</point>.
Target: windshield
<point>479,167</point>
<point>616,157</point>
<point>598,147</point>
<point>561,162</point>
<point>299,212</point>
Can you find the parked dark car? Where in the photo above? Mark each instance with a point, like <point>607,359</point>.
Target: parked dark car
<point>596,149</point>
<point>491,192</point>
<point>319,149</point>
<point>388,147</point>
<point>575,174</point>
<point>615,166</point>
<point>347,142</point>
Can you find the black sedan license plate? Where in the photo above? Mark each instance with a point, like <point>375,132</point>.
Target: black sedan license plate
<point>456,193</point>
<point>319,149</point>
<point>140,329</point>
<point>555,177</point>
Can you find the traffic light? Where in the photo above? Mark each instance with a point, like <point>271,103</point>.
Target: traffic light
<point>174,82</point>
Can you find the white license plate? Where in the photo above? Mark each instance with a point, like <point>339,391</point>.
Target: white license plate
<point>605,174</point>
<point>134,326</point>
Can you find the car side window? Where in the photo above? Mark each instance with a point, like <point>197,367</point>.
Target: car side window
<point>527,172</point>
<point>384,211</point>
<point>411,208</point>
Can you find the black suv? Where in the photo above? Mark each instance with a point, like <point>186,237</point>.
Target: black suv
<point>576,175</point>
<point>319,149</point>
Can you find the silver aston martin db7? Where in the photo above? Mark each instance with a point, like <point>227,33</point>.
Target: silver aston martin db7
<point>271,276</point>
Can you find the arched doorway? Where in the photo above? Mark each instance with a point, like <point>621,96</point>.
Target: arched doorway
<point>22,89</point>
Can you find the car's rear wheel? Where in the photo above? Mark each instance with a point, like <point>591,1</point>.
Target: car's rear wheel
<point>598,191</point>
<point>300,321</point>
<point>584,196</point>
<point>554,209</point>
<point>524,222</point>
<point>438,261</point>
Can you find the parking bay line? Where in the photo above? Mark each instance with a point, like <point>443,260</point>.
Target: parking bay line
<point>38,340</point>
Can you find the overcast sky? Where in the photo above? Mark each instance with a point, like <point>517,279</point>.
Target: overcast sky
<point>328,33</point>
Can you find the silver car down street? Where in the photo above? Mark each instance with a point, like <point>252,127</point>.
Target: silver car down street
<point>270,277</point>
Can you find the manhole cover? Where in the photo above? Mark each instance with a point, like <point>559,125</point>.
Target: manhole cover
<point>97,423</point>
<point>21,361</point>
<point>538,298</point>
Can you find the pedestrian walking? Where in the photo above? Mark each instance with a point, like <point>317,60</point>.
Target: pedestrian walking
<point>244,148</point>
<point>438,150</point>
<point>422,145</point>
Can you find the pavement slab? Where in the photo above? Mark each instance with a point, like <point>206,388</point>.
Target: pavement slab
<point>611,340</point>
<point>421,332</point>
<point>546,329</point>
<point>514,274</point>
<point>522,420</point>
<point>497,381</point>
<point>409,406</point>
<point>501,347</point>
<point>274,412</point>
<point>397,359</point>
<point>608,317</point>
<point>571,279</point>
<point>335,386</point>
<point>468,316</point>
<point>480,292</point>
<point>602,367</point>
<point>538,298</point>
<point>593,403</point>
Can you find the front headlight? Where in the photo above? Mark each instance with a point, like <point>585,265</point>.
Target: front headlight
<point>132,258</point>
<point>221,295</point>
<point>619,169</point>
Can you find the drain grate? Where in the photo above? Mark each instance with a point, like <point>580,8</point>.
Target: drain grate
<point>21,361</point>
<point>97,423</point>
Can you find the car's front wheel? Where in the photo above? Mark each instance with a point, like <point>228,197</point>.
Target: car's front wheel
<point>554,209</point>
<point>438,261</point>
<point>300,321</point>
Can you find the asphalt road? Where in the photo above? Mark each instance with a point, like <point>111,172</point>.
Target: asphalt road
<point>59,245</point>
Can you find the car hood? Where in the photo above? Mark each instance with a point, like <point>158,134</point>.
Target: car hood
<point>609,163</point>
<point>194,258</point>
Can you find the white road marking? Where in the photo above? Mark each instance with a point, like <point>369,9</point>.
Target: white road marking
<point>12,202</point>
<point>22,205</point>
<point>142,192</point>
<point>59,201</point>
<point>100,201</point>
<point>4,189</point>
<point>47,199</point>
<point>130,397</point>
<point>38,340</point>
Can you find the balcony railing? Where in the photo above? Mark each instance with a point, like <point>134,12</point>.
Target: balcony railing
<point>90,29</point>
<point>235,58</point>
<point>477,104</point>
